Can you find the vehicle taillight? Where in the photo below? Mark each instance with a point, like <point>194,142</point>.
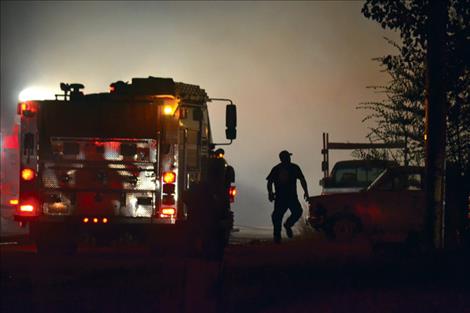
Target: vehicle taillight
<point>169,188</point>
<point>168,211</point>
<point>14,202</point>
<point>27,174</point>
<point>169,177</point>
<point>27,208</point>
<point>232,192</point>
<point>168,199</point>
<point>168,195</point>
<point>95,220</point>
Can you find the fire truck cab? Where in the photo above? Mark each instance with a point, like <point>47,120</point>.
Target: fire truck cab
<point>116,162</point>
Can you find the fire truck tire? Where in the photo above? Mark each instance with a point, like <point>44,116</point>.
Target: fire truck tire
<point>415,244</point>
<point>53,239</point>
<point>44,248</point>
<point>163,250</point>
<point>167,241</point>
<point>343,229</point>
<point>213,249</point>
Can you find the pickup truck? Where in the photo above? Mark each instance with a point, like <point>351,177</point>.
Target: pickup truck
<point>353,175</point>
<point>390,209</point>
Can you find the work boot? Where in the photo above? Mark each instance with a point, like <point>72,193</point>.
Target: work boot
<point>288,231</point>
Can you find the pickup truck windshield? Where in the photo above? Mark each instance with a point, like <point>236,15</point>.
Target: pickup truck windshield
<point>355,174</point>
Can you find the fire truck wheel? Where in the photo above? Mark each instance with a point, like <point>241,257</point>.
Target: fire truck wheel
<point>344,229</point>
<point>209,254</point>
<point>53,240</point>
<point>44,248</point>
<point>166,241</point>
<point>415,244</point>
<point>161,250</point>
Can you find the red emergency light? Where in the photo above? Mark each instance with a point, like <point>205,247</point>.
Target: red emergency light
<point>26,107</point>
<point>11,141</point>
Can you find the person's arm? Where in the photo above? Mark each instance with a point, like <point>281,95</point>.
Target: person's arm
<point>270,185</point>
<point>303,183</point>
<point>270,190</point>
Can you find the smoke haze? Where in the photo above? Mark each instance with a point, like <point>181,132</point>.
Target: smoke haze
<point>294,69</point>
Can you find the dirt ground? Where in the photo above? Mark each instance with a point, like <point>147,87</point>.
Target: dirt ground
<point>308,274</point>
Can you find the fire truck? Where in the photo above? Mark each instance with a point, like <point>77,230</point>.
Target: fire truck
<point>121,162</point>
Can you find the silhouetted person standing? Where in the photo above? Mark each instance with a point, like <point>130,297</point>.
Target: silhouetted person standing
<point>284,176</point>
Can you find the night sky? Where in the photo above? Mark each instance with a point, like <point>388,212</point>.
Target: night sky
<point>294,69</point>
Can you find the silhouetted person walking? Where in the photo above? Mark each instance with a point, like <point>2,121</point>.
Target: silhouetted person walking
<point>284,176</point>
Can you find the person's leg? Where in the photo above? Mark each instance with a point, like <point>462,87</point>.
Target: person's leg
<point>280,209</point>
<point>296,213</point>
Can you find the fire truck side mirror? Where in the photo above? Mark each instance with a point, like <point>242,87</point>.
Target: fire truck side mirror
<point>231,121</point>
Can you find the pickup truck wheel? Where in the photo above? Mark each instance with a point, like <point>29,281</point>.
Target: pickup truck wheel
<point>344,229</point>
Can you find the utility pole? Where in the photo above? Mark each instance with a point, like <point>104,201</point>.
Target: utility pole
<point>436,111</point>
